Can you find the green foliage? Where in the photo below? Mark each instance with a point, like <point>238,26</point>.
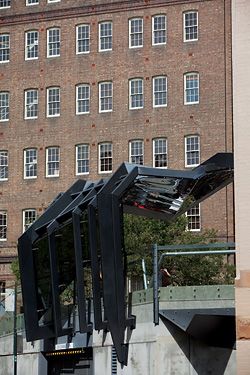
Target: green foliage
<point>15,269</point>
<point>141,233</point>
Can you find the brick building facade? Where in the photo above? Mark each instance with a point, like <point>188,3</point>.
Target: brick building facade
<point>87,85</point>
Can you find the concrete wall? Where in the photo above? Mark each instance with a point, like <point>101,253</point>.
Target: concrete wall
<point>241,98</point>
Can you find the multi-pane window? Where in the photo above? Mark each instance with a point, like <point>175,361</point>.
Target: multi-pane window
<point>159,29</point>
<point>190,21</point>
<point>192,151</point>
<point>105,157</point>
<point>136,152</point>
<point>4,168</point>
<point>53,102</point>
<point>136,93</point>
<point>82,159</point>
<point>82,39</point>
<point>30,163</point>
<point>4,48</point>
<point>29,216</point>
<point>82,99</point>
<point>5,3</point>
<point>32,2</point>
<point>191,88</point>
<point>135,32</point>
<point>160,153</point>
<point>52,161</point>
<point>31,45</point>
<point>159,91</point>
<point>194,219</point>
<point>105,36</point>
<point>3,225</point>
<point>105,96</point>
<point>53,42</point>
<point>31,104</point>
<point>4,106</point>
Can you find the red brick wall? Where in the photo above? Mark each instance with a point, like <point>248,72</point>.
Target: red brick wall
<point>211,118</point>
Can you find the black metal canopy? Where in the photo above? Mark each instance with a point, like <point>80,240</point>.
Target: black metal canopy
<point>86,223</point>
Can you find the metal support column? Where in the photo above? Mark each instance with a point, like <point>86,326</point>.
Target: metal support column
<point>155,284</point>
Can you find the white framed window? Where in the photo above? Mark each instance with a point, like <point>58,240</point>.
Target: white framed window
<point>53,42</point>
<point>136,152</point>
<point>194,219</point>
<point>105,157</point>
<point>5,3</point>
<point>82,39</point>
<point>31,45</point>
<point>31,104</point>
<point>30,163</point>
<point>105,36</point>
<point>82,99</point>
<point>191,88</point>
<point>53,101</point>
<point>4,165</point>
<point>29,216</point>
<point>82,159</point>
<point>32,2</point>
<point>190,26</point>
<point>4,48</point>
<point>135,32</point>
<point>160,153</point>
<point>192,151</point>
<point>4,106</point>
<point>53,1</point>
<point>159,29</point>
<point>52,161</point>
<point>160,91</point>
<point>136,100</point>
<point>3,225</point>
<point>105,96</point>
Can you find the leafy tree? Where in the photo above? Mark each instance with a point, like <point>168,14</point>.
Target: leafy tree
<point>141,233</point>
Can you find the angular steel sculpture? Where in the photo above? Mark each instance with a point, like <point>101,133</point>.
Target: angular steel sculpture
<point>84,226</point>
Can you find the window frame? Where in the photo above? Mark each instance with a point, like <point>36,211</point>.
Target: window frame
<point>131,95</point>
<point>154,31</point>
<point>27,46</point>
<point>4,213</point>
<point>190,215</point>
<point>100,37</point>
<point>189,151</point>
<point>4,166</point>
<point>6,6</point>
<point>7,49</point>
<point>155,154</point>
<point>31,4</point>
<point>186,89</point>
<point>54,161</point>
<point>103,98</point>
<point>52,43</point>
<point>154,92</point>
<point>50,103</point>
<point>185,40</point>
<point>26,117</point>
<point>138,155</point>
<point>86,159</point>
<point>77,39</point>
<point>6,108</point>
<point>99,157</point>
<point>80,85</point>
<point>53,1</point>
<point>130,33</point>
<point>25,211</point>
<point>30,163</point>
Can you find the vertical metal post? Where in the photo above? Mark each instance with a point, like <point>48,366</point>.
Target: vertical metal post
<point>15,333</point>
<point>155,285</point>
<point>144,274</point>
